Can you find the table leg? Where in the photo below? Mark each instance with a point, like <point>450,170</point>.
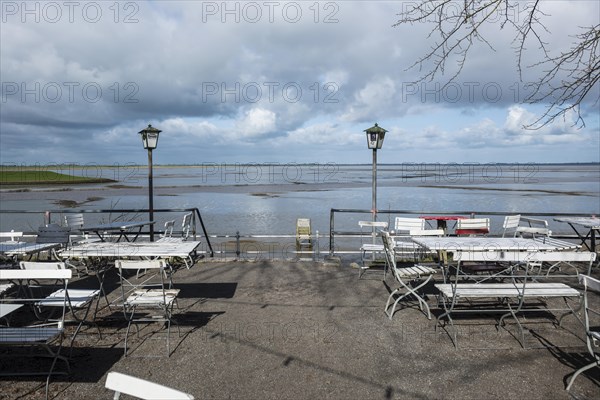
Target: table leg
<point>441,224</point>
<point>590,234</point>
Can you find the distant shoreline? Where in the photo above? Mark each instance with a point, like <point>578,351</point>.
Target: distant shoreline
<point>39,167</point>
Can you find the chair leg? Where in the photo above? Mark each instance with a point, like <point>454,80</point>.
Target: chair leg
<point>580,370</point>
<point>409,291</point>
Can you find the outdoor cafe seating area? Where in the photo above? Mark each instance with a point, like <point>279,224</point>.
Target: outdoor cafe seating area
<point>444,286</point>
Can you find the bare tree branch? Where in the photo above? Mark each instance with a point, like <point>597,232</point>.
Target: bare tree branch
<point>568,79</point>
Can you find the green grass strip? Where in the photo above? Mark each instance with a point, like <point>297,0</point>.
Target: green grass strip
<point>44,178</point>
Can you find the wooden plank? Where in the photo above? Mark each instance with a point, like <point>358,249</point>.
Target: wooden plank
<point>508,290</point>
<point>27,335</point>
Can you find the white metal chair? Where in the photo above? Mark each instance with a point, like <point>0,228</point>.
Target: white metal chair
<point>47,336</point>
<point>186,225</point>
<point>168,237</point>
<point>303,234</point>
<point>512,224</point>
<point>404,276</point>
<point>371,248</point>
<point>14,236</point>
<point>406,228</point>
<point>76,299</point>
<point>76,222</point>
<point>472,226</point>
<point>141,388</point>
<point>155,297</point>
<point>592,332</point>
<point>168,233</point>
<point>9,262</point>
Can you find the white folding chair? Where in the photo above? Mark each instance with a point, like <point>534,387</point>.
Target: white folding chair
<point>49,336</point>
<point>76,299</point>
<point>141,388</point>
<point>168,233</point>
<point>472,226</point>
<point>592,331</point>
<point>168,237</point>
<point>512,224</point>
<point>404,229</point>
<point>404,276</point>
<point>155,297</point>
<point>372,248</point>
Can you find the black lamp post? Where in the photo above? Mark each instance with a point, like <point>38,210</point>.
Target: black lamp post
<point>375,136</point>
<point>150,141</point>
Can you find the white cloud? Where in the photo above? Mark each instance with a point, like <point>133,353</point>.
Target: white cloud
<point>372,100</point>
<point>165,60</point>
<point>255,122</point>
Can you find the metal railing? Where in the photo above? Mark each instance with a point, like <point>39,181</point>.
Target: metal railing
<point>333,233</point>
<point>195,213</point>
<point>281,246</point>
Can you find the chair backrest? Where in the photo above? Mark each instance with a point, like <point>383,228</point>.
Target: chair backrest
<point>534,226</point>
<point>472,226</point>
<point>403,224</point>
<point>169,225</point>
<point>186,225</point>
<point>372,228</point>
<point>25,274</point>
<point>141,388</point>
<point>511,222</point>
<point>53,233</point>
<point>303,227</point>
<point>38,265</point>
<point>12,235</point>
<point>388,247</point>
<point>74,221</point>
<point>140,264</point>
<point>371,224</point>
<point>137,265</point>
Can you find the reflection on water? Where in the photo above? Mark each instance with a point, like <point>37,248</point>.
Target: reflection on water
<point>292,191</point>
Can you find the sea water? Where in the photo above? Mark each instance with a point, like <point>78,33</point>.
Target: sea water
<point>267,199</point>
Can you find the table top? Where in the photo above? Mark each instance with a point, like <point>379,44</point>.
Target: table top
<point>491,243</point>
<point>6,309</point>
<point>442,217</point>
<point>26,248</point>
<point>132,249</point>
<point>121,225</point>
<point>588,222</point>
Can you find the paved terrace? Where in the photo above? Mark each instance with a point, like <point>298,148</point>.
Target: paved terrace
<point>304,330</point>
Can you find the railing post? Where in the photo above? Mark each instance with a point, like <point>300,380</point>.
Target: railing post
<point>237,244</point>
<point>316,252</point>
<point>47,218</point>
<point>331,229</point>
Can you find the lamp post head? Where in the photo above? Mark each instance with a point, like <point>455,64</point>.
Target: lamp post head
<point>375,136</point>
<point>150,137</point>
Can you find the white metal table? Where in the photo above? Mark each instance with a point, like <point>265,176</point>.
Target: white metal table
<point>123,228</point>
<point>592,223</point>
<point>24,249</point>
<point>485,243</point>
<point>181,249</point>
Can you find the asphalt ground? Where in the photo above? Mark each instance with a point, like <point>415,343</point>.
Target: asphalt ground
<point>305,330</point>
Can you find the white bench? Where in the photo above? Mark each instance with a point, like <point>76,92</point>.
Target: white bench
<point>512,295</point>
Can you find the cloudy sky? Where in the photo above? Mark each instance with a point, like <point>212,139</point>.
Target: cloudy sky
<point>267,82</point>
